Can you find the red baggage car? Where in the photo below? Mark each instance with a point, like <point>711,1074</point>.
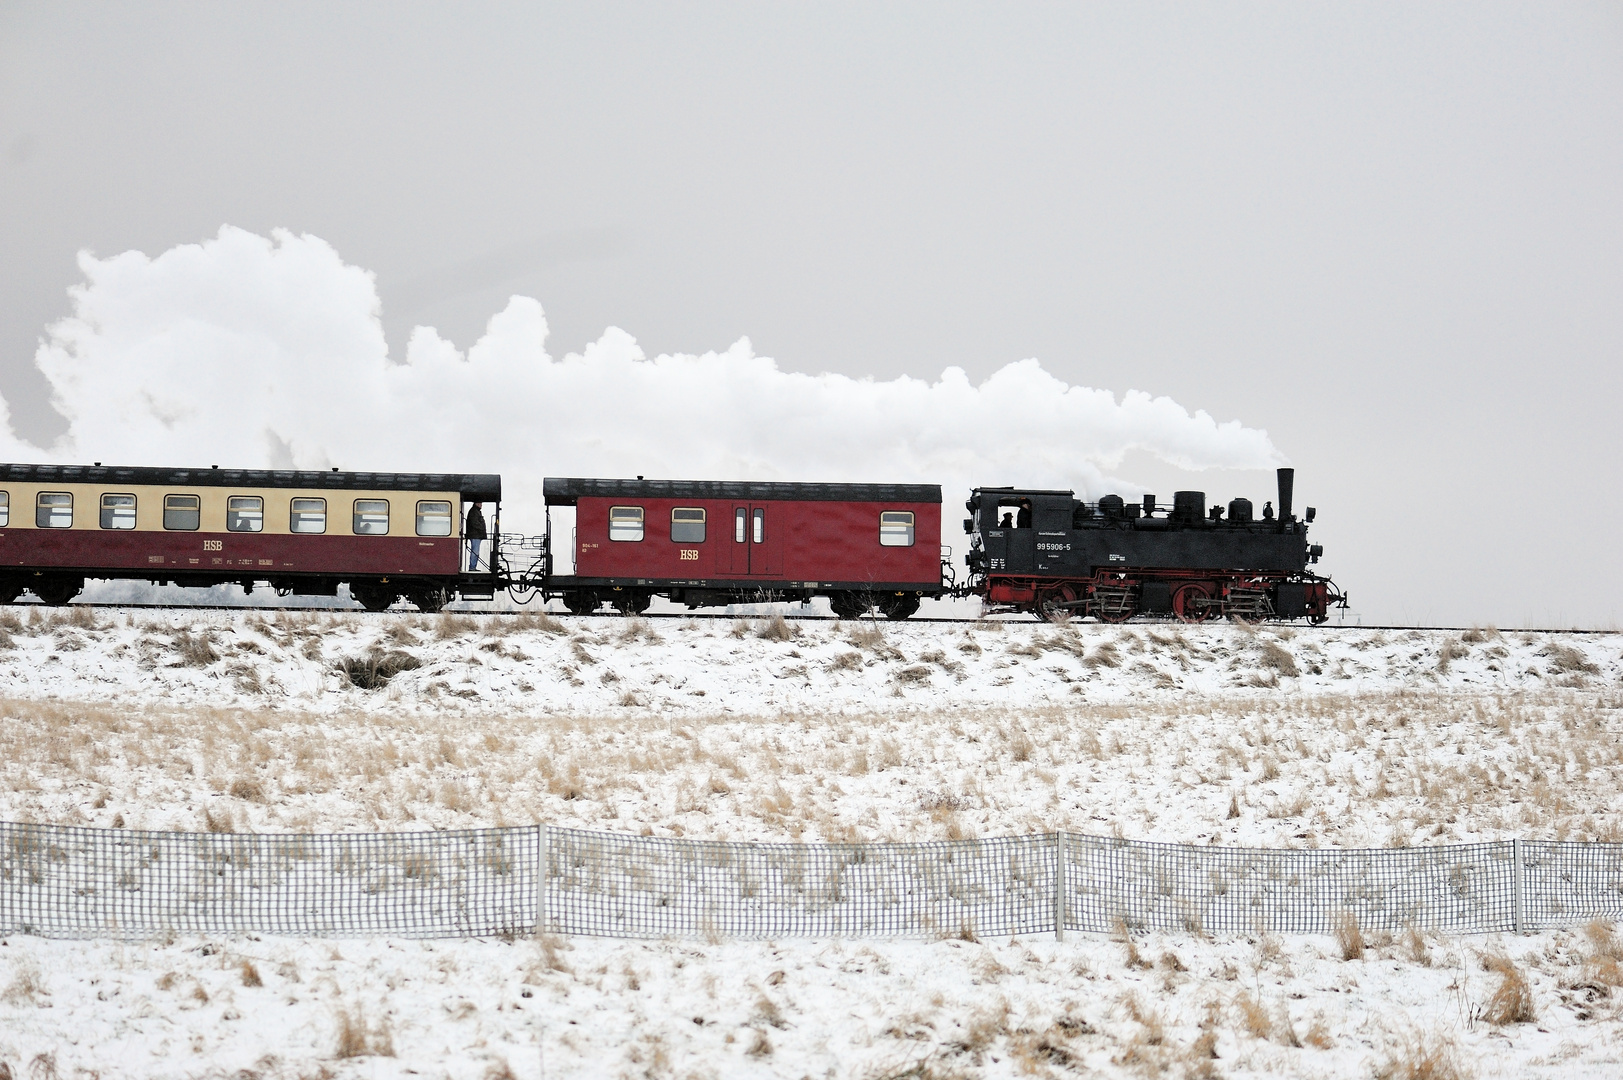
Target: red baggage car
<point>707,543</point>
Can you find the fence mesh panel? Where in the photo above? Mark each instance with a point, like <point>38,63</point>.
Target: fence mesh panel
<point>1565,882</point>
<point>633,886</point>
<point>72,882</point>
<point>1466,888</point>
<point>81,883</point>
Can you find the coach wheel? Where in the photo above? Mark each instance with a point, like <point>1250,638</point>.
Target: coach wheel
<point>899,607</point>
<point>57,591</point>
<point>429,598</point>
<point>850,605</point>
<point>1053,605</point>
<point>1192,602</point>
<point>373,596</point>
<point>581,602</point>
<point>631,603</point>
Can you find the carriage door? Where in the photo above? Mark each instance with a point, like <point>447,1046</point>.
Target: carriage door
<point>752,540</point>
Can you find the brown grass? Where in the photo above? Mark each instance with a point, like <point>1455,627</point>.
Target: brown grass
<point>356,1038</point>
<point>1349,936</point>
<point>373,670</point>
<point>1420,1056</point>
<point>1512,1000</point>
<point>196,650</point>
<point>250,974</point>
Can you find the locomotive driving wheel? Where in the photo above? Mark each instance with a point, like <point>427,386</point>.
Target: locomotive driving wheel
<point>1056,605</point>
<point>1192,602</point>
<point>1114,605</point>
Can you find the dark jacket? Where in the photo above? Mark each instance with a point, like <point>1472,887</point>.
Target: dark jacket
<point>475,529</point>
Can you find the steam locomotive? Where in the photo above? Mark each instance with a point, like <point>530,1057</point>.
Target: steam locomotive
<point>1052,554</point>
<point>863,547</point>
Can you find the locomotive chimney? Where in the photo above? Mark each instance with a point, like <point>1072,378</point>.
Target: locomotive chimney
<point>1287,482</point>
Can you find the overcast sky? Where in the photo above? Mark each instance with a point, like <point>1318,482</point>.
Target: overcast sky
<point>1390,235</point>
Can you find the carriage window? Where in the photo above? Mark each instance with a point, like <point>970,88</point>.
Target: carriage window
<point>371,517</point>
<point>760,525</point>
<point>687,525</point>
<point>182,512</point>
<point>245,513</point>
<point>53,510</point>
<point>5,509</point>
<point>118,511</point>
<point>309,516</point>
<point>625,523</point>
<point>739,517</point>
<point>896,528</point>
<point>433,518</point>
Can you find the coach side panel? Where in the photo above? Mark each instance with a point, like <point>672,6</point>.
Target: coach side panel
<point>793,542</point>
<point>252,532</point>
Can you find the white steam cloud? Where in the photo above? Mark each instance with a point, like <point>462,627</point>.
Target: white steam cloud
<point>250,351</point>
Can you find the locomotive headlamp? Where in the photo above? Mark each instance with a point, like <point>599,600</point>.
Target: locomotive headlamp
<point>1308,517</point>
<point>969,525</point>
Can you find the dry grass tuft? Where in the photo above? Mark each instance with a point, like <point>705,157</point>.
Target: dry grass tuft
<point>358,1039</point>
<point>538,620</point>
<point>777,628</point>
<point>26,987</point>
<point>374,670</point>
<point>1423,1057</point>
<point>248,789</point>
<point>1106,655</point>
<point>1254,1018</point>
<point>250,974</point>
<point>1134,959</point>
<point>196,650</point>
<point>1349,937</point>
<point>1569,660</point>
<point>1276,658</point>
<point>1512,999</point>
<point>449,627</point>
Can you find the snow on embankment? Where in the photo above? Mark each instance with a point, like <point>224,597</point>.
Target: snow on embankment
<point>820,731</point>
<point>322,662</point>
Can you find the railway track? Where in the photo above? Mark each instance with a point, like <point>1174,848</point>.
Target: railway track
<point>792,616</point>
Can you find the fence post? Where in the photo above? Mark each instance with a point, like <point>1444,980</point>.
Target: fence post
<point>1516,881</point>
<point>541,884</point>
<point>1059,886</point>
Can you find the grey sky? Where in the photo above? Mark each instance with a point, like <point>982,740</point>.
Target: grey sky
<point>1388,234</point>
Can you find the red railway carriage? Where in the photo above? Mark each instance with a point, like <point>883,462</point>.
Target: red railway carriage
<point>703,543</point>
<point>386,535</point>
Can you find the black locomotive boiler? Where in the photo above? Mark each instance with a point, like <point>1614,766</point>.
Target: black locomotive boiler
<point>1051,554</point>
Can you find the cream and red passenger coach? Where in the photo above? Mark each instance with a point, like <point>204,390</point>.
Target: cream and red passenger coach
<point>385,535</point>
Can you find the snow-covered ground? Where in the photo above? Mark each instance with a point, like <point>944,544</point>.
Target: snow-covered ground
<point>810,731</point>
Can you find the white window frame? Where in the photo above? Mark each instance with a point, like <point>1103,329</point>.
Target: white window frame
<point>428,509</point>
<point>43,514</point>
<point>688,523</point>
<point>235,515</point>
<point>360,517</point>
<point>296,516</point>
<point>622,524</point>
<point>107,510</point>
<point>196,508</point>
<point>893,529</point>
<point>5,509</point>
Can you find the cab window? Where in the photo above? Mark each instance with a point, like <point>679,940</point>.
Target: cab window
<point>182,512</point>
<point>687,525</point>
<point>245,513</point>
<point>118,511</point>
<point>896,528</point>
<point>625,523</point>
<point>308,516</point>
<point>433,518</point>
<point>5,509</point>
<point>53,510</point>
<point>371,517</point>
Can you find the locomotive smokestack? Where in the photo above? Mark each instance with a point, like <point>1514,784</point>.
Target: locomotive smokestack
<point>1287,482</point>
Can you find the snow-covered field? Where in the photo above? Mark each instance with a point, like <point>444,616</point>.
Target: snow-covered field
<point>811,731</point>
